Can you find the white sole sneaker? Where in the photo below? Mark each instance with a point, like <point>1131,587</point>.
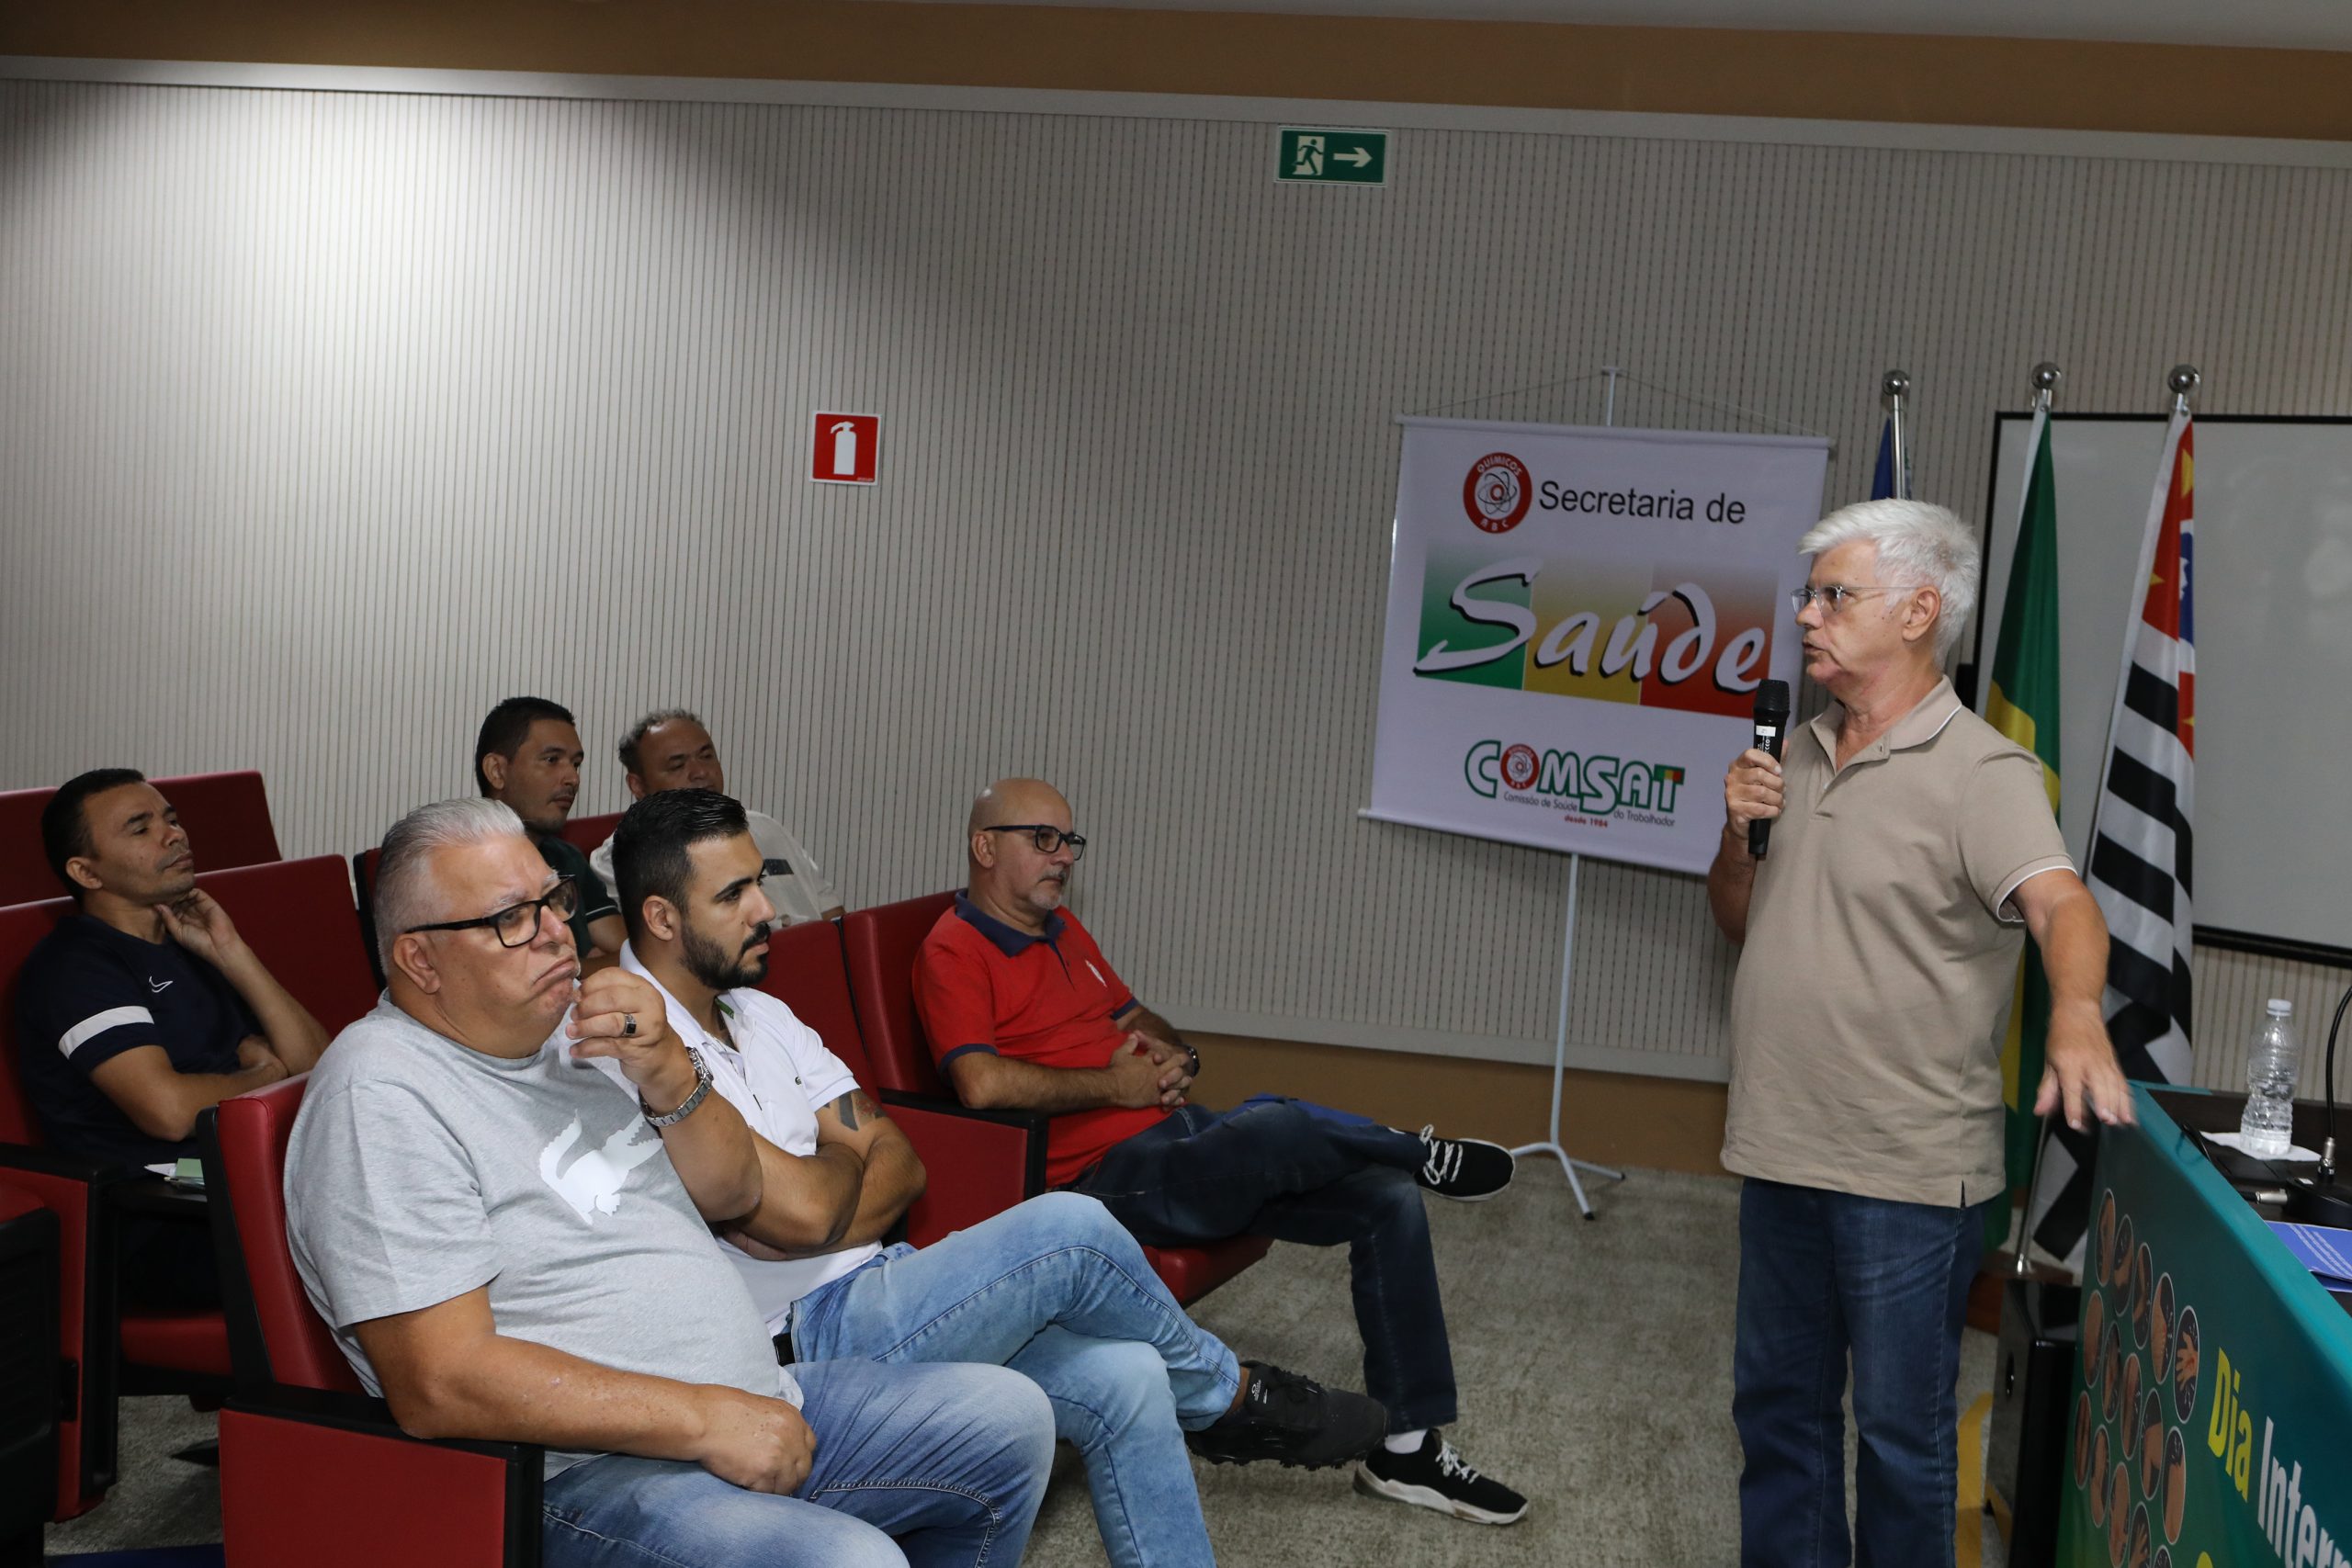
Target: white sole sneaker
<point>1371,1485</point>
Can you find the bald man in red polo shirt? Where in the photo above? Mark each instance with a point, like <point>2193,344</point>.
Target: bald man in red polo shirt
<point>1023,1011</point>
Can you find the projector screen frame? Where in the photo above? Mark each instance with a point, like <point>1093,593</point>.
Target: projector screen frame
<point>2290,949</point>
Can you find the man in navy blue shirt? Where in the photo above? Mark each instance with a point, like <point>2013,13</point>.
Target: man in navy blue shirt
<point>528,756</point>
<point>142,1008</point>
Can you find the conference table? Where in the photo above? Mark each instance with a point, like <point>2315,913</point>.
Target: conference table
<point>2210,1412</point>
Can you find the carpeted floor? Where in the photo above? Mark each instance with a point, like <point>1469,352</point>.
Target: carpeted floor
<point>1593,1359</point>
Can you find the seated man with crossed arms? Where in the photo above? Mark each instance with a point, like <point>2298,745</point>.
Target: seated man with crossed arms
<point>1053,1288</point>
<point>508,1249</point>
<point>1025,1011</point>
<point>142,1008</point>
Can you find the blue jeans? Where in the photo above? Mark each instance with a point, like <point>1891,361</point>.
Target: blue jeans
<point>1825,1275</point>
<point>1296,1172</point>
<point>1054,1289</point>
<point>952,1460</point>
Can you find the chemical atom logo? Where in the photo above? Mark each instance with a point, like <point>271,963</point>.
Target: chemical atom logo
<point>1520,767</point>
<point>1496,492</point>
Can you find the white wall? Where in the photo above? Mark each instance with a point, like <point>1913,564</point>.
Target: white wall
<point>328,418</point>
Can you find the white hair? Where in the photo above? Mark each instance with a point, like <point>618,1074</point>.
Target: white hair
<point>405,894</point>
<point>1919,544</point>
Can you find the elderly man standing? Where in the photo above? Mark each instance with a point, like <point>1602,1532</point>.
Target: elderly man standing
<point>507,1250</point>
<point>1912,847</point>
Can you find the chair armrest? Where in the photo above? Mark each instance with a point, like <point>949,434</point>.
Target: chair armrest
<point>1033,1121</point>
<point>308,1476</point>
<point>980,1162</point>
<point>55,1164</point>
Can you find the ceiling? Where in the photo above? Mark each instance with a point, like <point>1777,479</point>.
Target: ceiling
<point>2270,24</point>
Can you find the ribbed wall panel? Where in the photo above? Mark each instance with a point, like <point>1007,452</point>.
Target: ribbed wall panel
<point>326,418</point>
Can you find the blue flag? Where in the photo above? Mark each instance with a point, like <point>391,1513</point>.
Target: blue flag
<point>1882,482</point>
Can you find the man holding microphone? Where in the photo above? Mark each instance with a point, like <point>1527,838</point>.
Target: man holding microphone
<point>1911,848</point>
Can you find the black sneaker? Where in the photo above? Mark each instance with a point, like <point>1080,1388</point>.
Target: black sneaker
<point>1434,1477</point>
<point>1463,1168</point>
<point>1292,1419</point>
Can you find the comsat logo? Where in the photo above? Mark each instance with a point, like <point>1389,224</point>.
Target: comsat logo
<point>1624,789</point>
<point>1496,492</point>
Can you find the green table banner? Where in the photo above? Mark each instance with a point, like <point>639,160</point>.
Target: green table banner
<point>2212,1395</point>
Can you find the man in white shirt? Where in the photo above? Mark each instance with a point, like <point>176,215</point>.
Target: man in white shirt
<point>1053,1288</point>
<point>672,749</point>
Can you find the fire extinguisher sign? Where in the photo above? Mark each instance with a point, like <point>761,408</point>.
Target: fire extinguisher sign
<point>846,449</point>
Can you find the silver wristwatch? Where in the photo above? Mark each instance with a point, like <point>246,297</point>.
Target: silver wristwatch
<point>702,1091</point>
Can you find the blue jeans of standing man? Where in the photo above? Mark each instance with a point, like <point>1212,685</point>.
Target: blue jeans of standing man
<point>1822,1276</point>
<point>952,1460</point>
<point>1054,1289</point>
<point>1296,1172</point>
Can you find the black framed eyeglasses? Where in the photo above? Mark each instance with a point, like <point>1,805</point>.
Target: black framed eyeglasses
<point>1046,836</point>
<point>516,924</point>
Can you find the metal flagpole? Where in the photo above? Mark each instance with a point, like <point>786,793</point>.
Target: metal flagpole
<point>2046,377</point>
<point>1895,387</point>
<point>1551,1146</point>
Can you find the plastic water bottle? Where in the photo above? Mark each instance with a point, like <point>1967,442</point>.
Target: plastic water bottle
<point>2271,1064</point>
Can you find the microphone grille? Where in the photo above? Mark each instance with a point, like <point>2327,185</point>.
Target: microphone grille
<point>1772,699</point>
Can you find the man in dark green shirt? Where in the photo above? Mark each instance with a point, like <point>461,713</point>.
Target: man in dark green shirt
<point>528,756</point>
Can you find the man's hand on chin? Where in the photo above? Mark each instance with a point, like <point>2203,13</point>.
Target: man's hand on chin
<point>620,1015</point>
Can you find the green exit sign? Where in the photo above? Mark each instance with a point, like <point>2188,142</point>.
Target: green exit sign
<point>1322,156</point>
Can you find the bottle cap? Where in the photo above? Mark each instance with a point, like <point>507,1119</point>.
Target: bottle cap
<point>2280,1007</point>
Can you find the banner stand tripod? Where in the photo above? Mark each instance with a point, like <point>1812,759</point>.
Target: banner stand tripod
<point>1551,1143</point>
<point>1551,1146</point>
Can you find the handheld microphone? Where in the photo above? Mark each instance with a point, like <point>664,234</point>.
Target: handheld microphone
<point>1771,725</point>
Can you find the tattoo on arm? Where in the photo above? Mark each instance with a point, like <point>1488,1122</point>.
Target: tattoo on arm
<point>853,1108</point>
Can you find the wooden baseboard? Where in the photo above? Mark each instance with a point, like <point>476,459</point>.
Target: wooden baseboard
<point>1611,1118</point>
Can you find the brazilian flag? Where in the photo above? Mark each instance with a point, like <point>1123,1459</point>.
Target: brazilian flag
<point>2023,705</point>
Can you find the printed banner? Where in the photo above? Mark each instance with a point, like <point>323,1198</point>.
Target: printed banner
<point>1578,623</point>
<point>2213,1386</point>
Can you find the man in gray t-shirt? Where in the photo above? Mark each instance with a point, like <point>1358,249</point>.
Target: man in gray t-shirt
<point>506,1249</point>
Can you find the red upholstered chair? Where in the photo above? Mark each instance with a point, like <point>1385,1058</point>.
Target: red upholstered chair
<point>981,1162</point>
<point>880,944</point>
<point>226,815</point>
<point>28,1405</point>
<point>363,885</point>
<point>297,915</point>
<point>311,1470</point>
<point>25,876</point>
<point>586,832</point>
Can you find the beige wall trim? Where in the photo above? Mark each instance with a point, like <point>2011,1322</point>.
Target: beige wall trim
<point>1446,1042</point>
<point>2115,144</point>
<point>2078,85</point>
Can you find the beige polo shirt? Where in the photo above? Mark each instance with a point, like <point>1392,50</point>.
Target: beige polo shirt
<point>1866,1016</point>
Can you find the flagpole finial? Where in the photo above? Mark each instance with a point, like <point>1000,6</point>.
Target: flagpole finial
<point>2183,380</point>
<point>1895,384</point>
<point>2046,377</point>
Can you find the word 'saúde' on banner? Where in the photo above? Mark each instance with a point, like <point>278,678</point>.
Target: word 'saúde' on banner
<point>1578,623</point>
